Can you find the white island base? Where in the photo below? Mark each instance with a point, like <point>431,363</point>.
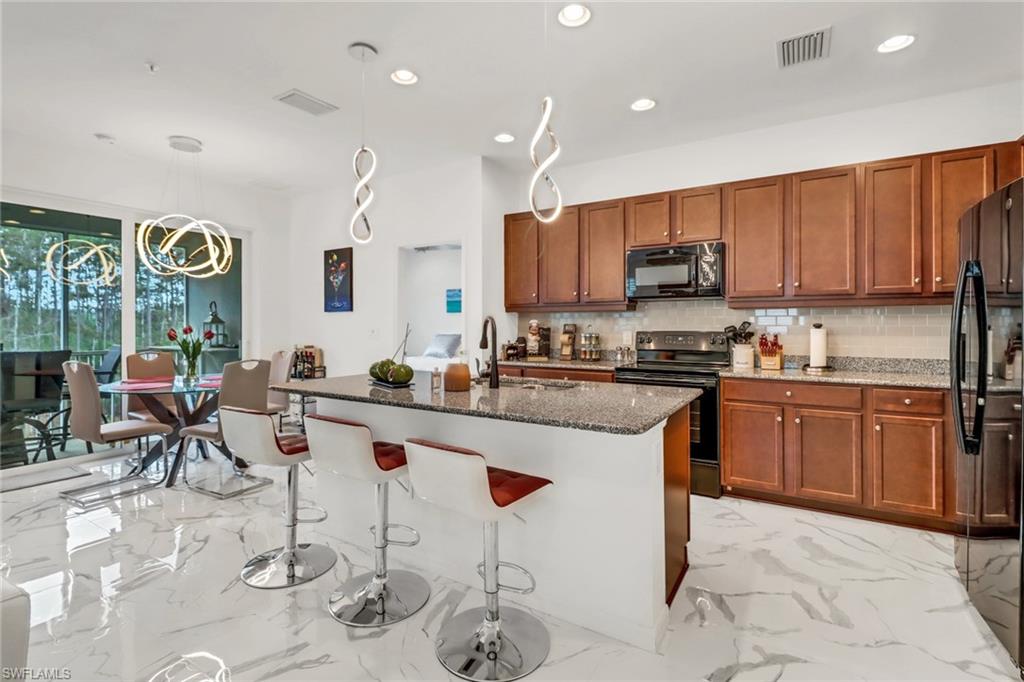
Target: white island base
<point>595,541</point>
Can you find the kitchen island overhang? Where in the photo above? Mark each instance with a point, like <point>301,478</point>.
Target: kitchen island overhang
<point>606,542</point>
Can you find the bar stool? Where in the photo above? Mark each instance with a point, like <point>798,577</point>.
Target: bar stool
<point>482,643</point>
<point>384,596</point>
<point>280,368</point>
<point>252,433</point>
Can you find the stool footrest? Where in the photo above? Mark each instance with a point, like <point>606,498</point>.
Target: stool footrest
<point>398,543</point>
<point>319,518</point>
<point>514,567</point>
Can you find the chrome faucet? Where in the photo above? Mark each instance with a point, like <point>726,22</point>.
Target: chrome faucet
<point>493,380</point>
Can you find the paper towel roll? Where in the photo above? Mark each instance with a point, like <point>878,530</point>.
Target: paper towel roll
<point>819,346</point>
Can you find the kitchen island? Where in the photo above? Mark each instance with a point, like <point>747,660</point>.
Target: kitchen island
<point>606,542</point>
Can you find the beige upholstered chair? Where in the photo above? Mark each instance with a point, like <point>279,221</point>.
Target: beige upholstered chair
<point>280,368</point>
<point>146,366</point>
<point>87,423</point>
<point>243,385</point>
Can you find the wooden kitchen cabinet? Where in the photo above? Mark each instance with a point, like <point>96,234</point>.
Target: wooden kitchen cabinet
<point>997,470</point>
<point>826,457</point>
<point>607,376</point>
<point>1015,239</point>
<point>755,230</point>
<point>824,230</point>
<point>522,267</point>
<point>752,446</point>
<point>506,371</point>
<point>648,220</point>
<point>697,215</point>
<point>958,180</point>
<point>907,460</point>
<point>602,252</point>
<point>892,227</point>
<point>559,258</point>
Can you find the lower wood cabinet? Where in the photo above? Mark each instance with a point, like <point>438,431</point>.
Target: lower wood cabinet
<point>907,461</point>
<point>752,435</point>
<point>826,457</point>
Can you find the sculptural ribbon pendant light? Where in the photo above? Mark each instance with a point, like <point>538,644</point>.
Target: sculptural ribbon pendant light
<point>540,167</point>
<point>362,193</point>
<point>158,240</point>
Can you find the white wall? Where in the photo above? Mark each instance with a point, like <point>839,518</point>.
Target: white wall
<point>102,180</point>
<point>425,277</point>
<point>430,206</point>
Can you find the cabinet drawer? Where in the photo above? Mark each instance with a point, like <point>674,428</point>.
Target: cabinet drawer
<point>792,393</point>
<point>909,401</point>
<point>506,371</point>
<point>568,374</point>
<point>1001,406</point>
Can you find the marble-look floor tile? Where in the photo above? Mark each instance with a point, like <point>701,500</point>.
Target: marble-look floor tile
<point>147,588</point>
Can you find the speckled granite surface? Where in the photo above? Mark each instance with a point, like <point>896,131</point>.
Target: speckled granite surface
<point>594,365</point>
<point>870,364</point>
<point>590,406</point>
<point>909,380</point>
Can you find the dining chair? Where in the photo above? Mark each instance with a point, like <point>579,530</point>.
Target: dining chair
<point>244,386</point>
<point>87,423</point>
<point>280,369</point>
<point>147,366</point>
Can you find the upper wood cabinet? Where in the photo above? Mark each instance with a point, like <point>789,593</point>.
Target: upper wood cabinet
<point>755,230</point>
<point>602,252</point>
<point>522,271</point>
<point>559,258</point>
<point>697,215</point>
<point>648,220</point>
<point>824,233</point>
<point>892,227</point>
<point>958,180</point>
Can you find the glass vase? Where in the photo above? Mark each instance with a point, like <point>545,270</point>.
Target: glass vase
<point>191,370</point>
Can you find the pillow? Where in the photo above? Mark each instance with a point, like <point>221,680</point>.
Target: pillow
<point>443,346</point>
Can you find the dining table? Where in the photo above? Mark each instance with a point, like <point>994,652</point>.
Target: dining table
<point>195,401</point>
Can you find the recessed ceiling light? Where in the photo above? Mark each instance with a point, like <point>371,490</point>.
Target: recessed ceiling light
<point>504,138</point>
<point>574,15</point>
<point>37,211</point>
<point>9,221</point>
<point>896,43</point>
<point>404,76</point>
<point>643,104</point>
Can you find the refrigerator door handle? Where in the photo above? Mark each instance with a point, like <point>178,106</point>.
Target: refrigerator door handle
<point>970,443</point>
<point>956,359</point>
<point>981,316</point>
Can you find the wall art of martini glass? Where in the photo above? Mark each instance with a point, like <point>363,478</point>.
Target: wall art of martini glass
<point>338,280</point>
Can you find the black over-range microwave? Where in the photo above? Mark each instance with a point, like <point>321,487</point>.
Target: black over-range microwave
<point>685,271</point>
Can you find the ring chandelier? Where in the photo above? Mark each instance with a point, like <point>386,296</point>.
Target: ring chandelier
<point>66,262</point>
<point>156,239</point>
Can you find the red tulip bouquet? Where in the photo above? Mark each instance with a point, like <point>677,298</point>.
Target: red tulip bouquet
<point>191,344</point>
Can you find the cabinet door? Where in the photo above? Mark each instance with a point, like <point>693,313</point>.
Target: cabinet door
<point>647,220</point>
<point>997,473</point>
<point>958,180</point>
<point>1015,265</point>
<point>824,233</point>
<point>560,258</point>
<point>892,227</point>
<point>752,446</point>
<point>521,262</point>
<point>603,252</point>
<point>755,226</point>
<point>697,215</point>
<point>825,458</point>
<point>907,464</point>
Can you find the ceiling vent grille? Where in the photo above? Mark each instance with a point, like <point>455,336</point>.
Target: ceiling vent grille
<point>306,102</point>
<point>805,48</point>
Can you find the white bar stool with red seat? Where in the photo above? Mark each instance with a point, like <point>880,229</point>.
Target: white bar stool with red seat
<point>484,643</point>
<point>252,434</point>
<point>383,596</point>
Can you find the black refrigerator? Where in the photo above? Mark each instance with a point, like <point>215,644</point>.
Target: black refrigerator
<point>985,381</point>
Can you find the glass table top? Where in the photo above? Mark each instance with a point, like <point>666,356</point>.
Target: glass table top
<point>163,386</point>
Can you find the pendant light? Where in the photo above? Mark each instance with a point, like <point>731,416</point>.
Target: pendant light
<point>66,261</point>
<point>540,167</point>
<point>362,193</point>
<point>157,239</point>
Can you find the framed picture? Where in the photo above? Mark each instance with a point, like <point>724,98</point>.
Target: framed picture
<point>453,300</point>
<point>338,280</point>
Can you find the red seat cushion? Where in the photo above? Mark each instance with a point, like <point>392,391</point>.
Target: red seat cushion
<point>510,486</point>
<point>292,445</point>
<point>389,455</point>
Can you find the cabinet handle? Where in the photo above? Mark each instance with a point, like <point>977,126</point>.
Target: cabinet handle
<point>534,295</point>
<point>679,233</point>
<point>878,427</point>
<point>779,285</point>
<point>778,419</point>
<point>789,394</point>
<point>575,293</point>
<point>1009,436</point>
<point>796,284</point>
<point>907,401</point>
<point>797,420</point>
<point>1002,280</point>
<point>1010,280</point>
<point>586,293</point>
<point>917,280</point>
<point>1016,407</point>
<point>939,278</point>
<point>665,233</point>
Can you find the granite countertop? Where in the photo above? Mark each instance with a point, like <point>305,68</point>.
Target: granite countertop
<point>908,380</point>
<point>589,406</point>
<point>595,365</point>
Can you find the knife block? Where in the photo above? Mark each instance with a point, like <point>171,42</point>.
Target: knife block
<point>772,361</point>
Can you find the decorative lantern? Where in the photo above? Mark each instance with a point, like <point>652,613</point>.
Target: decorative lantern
<point>214,324</point>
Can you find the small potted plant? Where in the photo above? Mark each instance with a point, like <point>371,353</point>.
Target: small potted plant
<point>191,345</point>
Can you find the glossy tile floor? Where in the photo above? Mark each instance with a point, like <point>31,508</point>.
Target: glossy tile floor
<point>147,589</point>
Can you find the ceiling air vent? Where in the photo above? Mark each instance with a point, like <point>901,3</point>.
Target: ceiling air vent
<point>306,102</point>
<point>804,48</point>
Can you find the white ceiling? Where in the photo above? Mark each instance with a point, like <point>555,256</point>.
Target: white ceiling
<point>71,70</point>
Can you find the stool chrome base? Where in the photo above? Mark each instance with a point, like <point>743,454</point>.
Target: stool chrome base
<point>475,649</point>
<point>366,601</point>
<point>281,568</point>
